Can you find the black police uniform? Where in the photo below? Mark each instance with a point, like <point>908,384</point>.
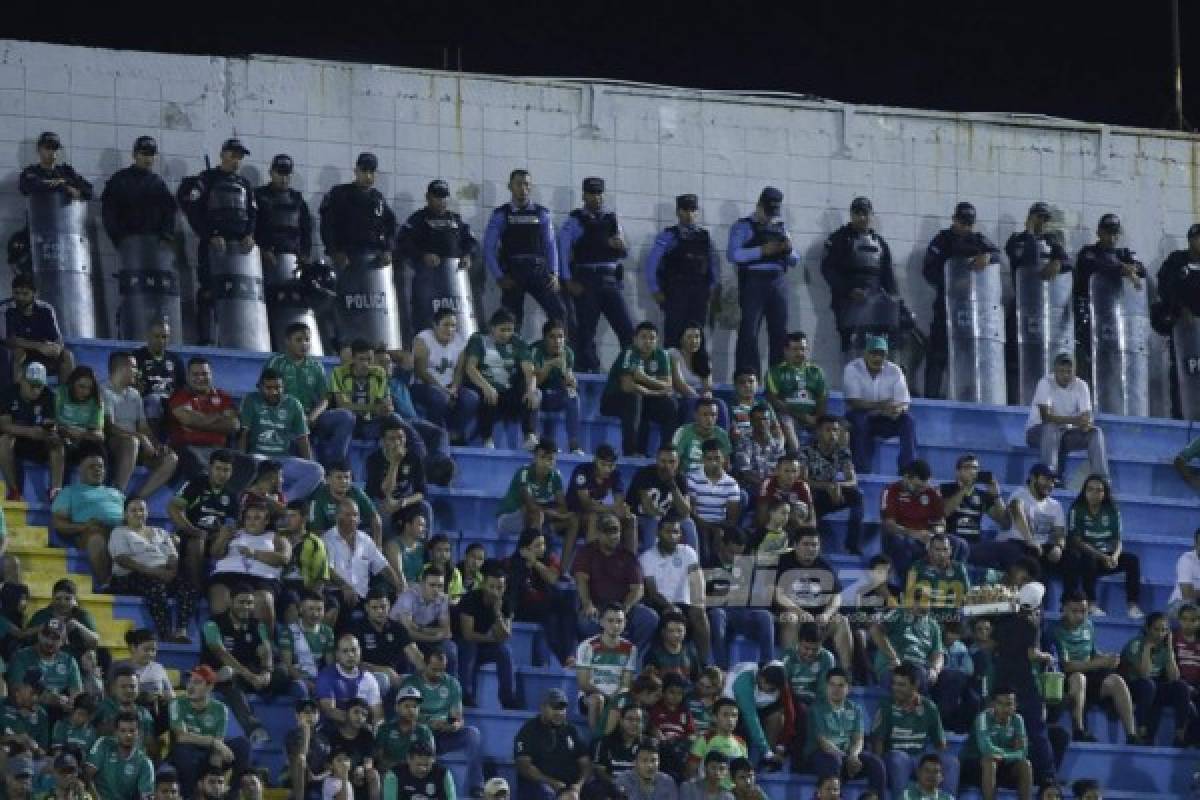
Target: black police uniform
<point>519,245</point>
<point>137,202</point>
<point>856,259</point>
<point>36,179</point>
<point>1095,259</point>
<point>1178,283</point>
<point>445,235</point>
<point>356,220</point>
<point>682,265</point>
<point>284,223</point>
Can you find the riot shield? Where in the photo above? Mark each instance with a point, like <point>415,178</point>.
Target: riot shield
<point>281,271</point>
<point>62,262</point>
<point>975,333</point>
<point>149,287</point>
<point>367,306</point>
<point>288,303</point>
<point>879,313</point>
<point>238,299</point>
<point>1045,327</point>
<point>1186,338</point>
<point>1120,346</point>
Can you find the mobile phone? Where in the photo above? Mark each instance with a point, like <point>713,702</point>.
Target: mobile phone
<point>985,476</point>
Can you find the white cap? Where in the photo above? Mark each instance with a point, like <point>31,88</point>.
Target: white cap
<point>495,786</point>
<point>1030,595</point>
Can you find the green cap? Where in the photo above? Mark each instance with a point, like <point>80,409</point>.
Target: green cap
<point>876,343</point>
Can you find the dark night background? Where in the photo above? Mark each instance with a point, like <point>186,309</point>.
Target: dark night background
<point>1069,59</point>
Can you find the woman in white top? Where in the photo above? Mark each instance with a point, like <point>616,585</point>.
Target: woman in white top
<point>146,563</point>
<point>438,391</point>
<point>154,685</point>
<point>691,372</point>
<point>252,555</point>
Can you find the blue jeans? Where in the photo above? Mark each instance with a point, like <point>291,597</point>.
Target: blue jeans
<point>560,400</point>
<point>460,418</point>
<point>602,294</point>
<point>901,766</point>
<point>472,654</point>
<point>753,622</point>
<point>641,623</point>
<point>866,427</point>
<point>332,434</point>
<point>465,739</point>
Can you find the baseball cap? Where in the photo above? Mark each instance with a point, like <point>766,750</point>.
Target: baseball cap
<point>49,139</point>
<point>687,202</point>
<point>876,343</point>
<point>555,697</point>
<point>770,196</point>
<point>862,204</point>
<point>205,673</point>
<point>1030,595</point>
<point>593,185</point>
<point>235,145</point>
<point>1064,358</point>
<point>35,373</point>
<point>367,162</point>
<point>495,786</point>
<point>1040,209</point>
<point>282,164</point>
<point>66,761</point>
<point>408,693</point>
<point>20,766</point>
<point>438,188</point>
<point>1040,470</point>
<point>965,212</point>
<point>145,144</point>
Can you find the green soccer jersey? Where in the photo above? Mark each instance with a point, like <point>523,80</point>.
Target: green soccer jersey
<point>313,653</point>
<point>688,442</point>
<point>437,699</point>
<point>322,510</point>
<point>839,726</point>
<point>914,638</point>
<point>304,380</point>
<point>394,743</point>
<point>947,587</point>
<point>270,430</point>
<point>120,777</point>
<point>807,678</point>
<point>657,365</point>
<point>732,746</point>
<point>908,729</point>
<point>543,490</point>
<point>990,737</point>
<point>801,389</point>
<point>33,723</point>
<point>59,674</point>
<point>914,792</point>
<point>1075,644</point>
<point>554,378</point>
<point>67,735</point>
<point>1131,656</point>
<point>212,720</point>
<point>498,363</point>
<point>107,712</point>
<point>1102,531</point>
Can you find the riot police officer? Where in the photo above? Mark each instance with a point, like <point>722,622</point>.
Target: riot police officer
<point>1179,293</point>
<point>136,200</point>
<point>356,217</point>
<point>426,240</point>
<point>960,240</point>
<point>590,249</point>
<point>762,250</point>
<point>1101,258</point>
<point>1034,248</point>
<point>219,205</point>
<point>284,225</point>
<point>48,175</point>
<point>682,270</point>
<point>857,265</point>
<point>519,251</point>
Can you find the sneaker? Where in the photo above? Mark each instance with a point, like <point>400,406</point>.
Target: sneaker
<point>531,441</point>
<point>1097,611</point>
<point>1134,612</point>
<point>489,443</point>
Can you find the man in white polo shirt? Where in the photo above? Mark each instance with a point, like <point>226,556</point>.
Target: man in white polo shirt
<point>1061,419</point>
<point>353,560</point>
<point>1187,578</point>
<point>877,402</point>
<point>674,581</point>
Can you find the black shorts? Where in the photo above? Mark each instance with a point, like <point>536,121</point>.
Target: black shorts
<point>231,580</point>
<point>972,774</point>
<point>1095,685</point>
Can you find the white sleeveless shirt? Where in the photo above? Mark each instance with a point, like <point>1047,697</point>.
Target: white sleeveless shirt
<point>443,357</point>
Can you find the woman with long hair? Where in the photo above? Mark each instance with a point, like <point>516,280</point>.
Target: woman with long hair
<point>1094,547</point>
<point>155,692</point>
<point>146,563</point>
<point>79,413</point>
<point>692,373</point>
<point>533,572</point>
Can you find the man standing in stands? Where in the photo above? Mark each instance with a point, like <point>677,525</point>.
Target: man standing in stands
<point>426,238</point>
<point>219,205</point>
<point>857,263</point>
<point>590,248</point>
<point>682,270</point>
<point>1102,258</point>
<point>520,253</point>
<point>284,225</point>
<point>47,175</point>
<point>356,217</point>
<point>136,200</point>
<point>31,331</point>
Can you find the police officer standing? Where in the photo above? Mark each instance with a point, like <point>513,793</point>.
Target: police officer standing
<point>682,271</point>
<point>220,207</point>
<point>762,250</point>
<point>1101,258</point>
<point>590,249</point>
<point>284,224</point>
<point>356,217</point>
<point>136,200</point>
<point>858,263</point>
<point>426,239</point>
<point>1179,292</point>
<point>50,176</point>
<point>1026,249</point>
<point>960,240</point>
<point>520,253</point>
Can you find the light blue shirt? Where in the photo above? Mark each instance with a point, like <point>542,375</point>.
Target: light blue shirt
<point>751,258</point>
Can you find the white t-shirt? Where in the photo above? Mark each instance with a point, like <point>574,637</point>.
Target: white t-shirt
<point>1064,401</point>
<point>1043,516</point>
<point>149,551</point>
<point>859,384</point>
<point>236,563</point>
<point>126,409</point>
<point>1187,571</point>
<point>331,787</point>
<point>443,357</point>
<point>670,571</point>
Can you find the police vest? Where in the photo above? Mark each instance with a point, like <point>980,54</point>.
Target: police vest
<point>282,211</point>
<point>431,787</point>
<point>866,258</point>
<point>241,643</point>
<point>687,262</point>
<point>593,247</point>
<point>772,230</point>
<point>522,237</point>
<point>228,202</point>
<point>364,217</point>
<point>440,235</point>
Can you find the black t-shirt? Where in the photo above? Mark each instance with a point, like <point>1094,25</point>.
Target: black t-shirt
<point>968,519</point>
<point>410,477</point>
<point>382,647</point>
<point>482,614</point>
<point>612,752</point>
<point>26,412</point>
<point>584,478</point>
<point>207,507</point>
<point>555,750</point>
<point>647,479</point>
<point>360,746</point>
<point>1014,634</point>
<point>158,375</point>
<point>318,750</point>
<point>810,586</point>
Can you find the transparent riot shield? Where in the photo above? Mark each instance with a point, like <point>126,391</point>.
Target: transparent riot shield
<point>149,287</point>
<point>1045,326</point>
<point>238,300</point>
<point>1120,346</point>
<point>62,262</point>
<point>1186,337</point>
<point>975,333</point>
<point>367,306</point>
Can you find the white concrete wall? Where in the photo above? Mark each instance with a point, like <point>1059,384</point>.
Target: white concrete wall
<point>649,143</point>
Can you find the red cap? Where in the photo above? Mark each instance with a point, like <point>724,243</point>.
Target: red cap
<point>205,672</point>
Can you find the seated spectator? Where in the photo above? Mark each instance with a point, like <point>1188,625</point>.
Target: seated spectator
<point>1182,461</point>
<point>1187,650</point>
<point>200,730</point>
<point>913,514</point>
<point>396,484</point>
<point>1148,664</point>
<point>614,754</point>
<point>828,468</point>
<point>27,724</point>
<point>55,670</point>
<point>303,377</point>
<point>691,375</point>
<point>424,611</point>
<point>659,489</point>
<point>645,780</point>
<point>745,398</point>
<point>266,489</point>
<point>604,665</point>
<point>238,648</point>
<point>836,733</point>
<point>202,507</point>
<point>442,711</point>
<point>1092,676</point>
<point>674,583</point>
<point>1038,526</point>
<point>31,331</point>
<point>672,653</point>
<point>361,388</point>
<point>337,488</point>
<point>211,785</point>
<point>710,783</point>
<point>419,772</point>
<point>877,400</point>
<point>254,557</point>
<point>306,645</point>
<point>440,392</point>
<point>88,511</point>
<point>640,391</point>
<point>397,735</point>
<point>345,680</point>
<point>745,786</point>
<point>733,606</point>
<point>720,736</point>
<point>606,574</point>
<point>536,498</point>
<point>430,442</point>
<point>67,780</point>
<point>308,568</point>
<point>159,371</point>
<point>79,625</point>
<point>308,751</point>
<point>201,418</point>
<point>131,442</point>
<point>135,773</point>
<point>1187,577</point>
<point>79,413</point>
<point>155,690</point>
<point>406,550</point>
<point>596,488</point>
<point>74,732</point>
<point>28,430</point>
<point>671,723</point>
<point>766,709</point>
<point>273,425</point>
<point>498,367</point>
<point>945,579</point>
<point>645,692</point>
<point>906,725</point>
<point>996,752</point>
<point>910,636</point>
<point>121,699</point>
<point>146,563</point>
<point>805,665</point>
<point>1094,547</point>
<point>928,780</point>
<point>690,438</point>
<point>533,571</point>
<point>485,618</point>
<point>716,498</point>
<point>554,371</point>
<point>808,590</point>
<point>354,561</point>
<point>784,485</point>
<point>550,753</point>
<point>967,498</point>
<point>797,391</point>
<point>757,453</point>
<point>353,736</point>
<point>387,650</point>
<point>1061,419</point>
<point>471,566</point>
<point>440,554</point>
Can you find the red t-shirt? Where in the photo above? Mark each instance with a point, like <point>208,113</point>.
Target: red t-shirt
<point>215,402</point>
<point>671,724</point>
<point>609,577</point>
<point>1187,656</point>
<point>917,511</point>
<point>799,493</point>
